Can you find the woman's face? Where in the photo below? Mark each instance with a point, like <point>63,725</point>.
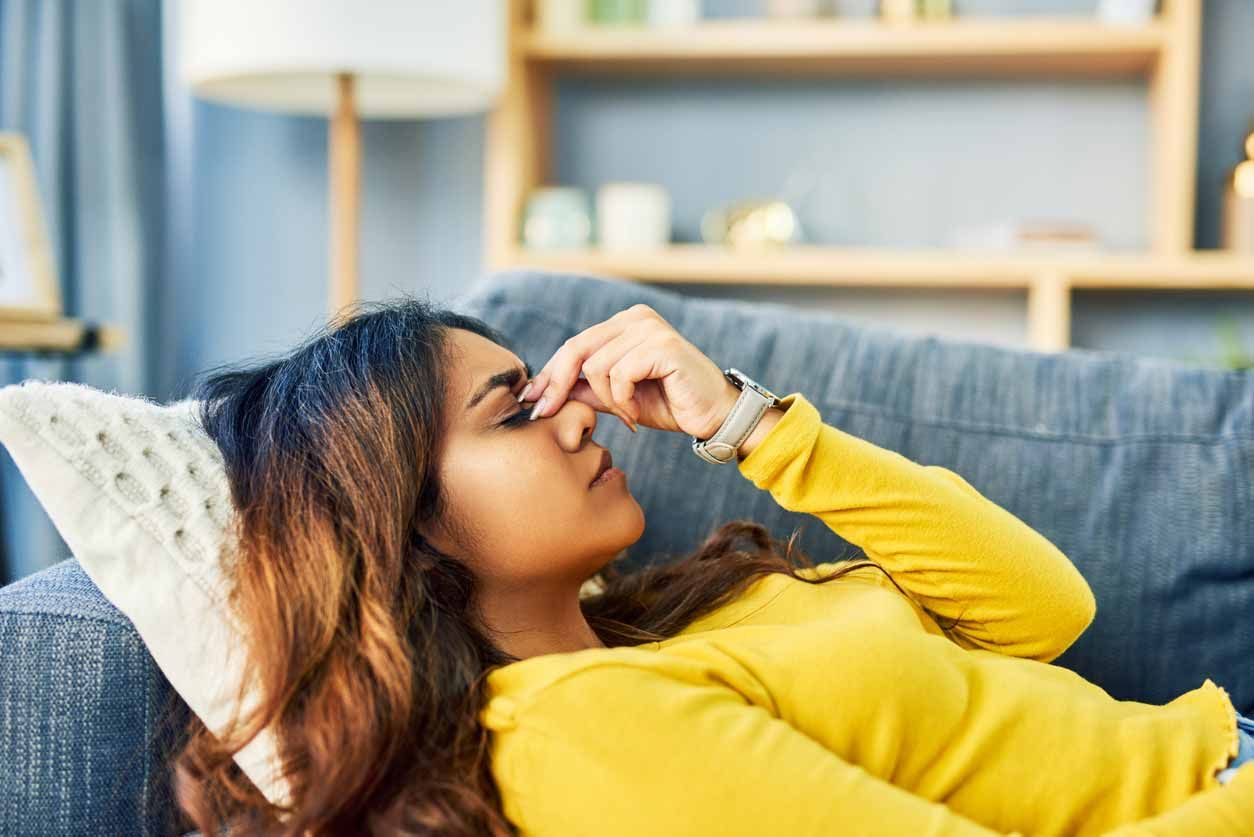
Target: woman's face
<point>522,487</point>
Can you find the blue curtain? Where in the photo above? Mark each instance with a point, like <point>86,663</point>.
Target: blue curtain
<point>82,81</point>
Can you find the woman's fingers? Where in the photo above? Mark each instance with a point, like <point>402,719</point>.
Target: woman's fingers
<point>623,388</point>
<point>553,382</point>
<point>597,370</point>
<point>640,365</point>
<point>550,385</point>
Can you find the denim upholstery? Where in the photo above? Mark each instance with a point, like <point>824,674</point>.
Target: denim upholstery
<point>86,718</point>
<point>1137,468</point>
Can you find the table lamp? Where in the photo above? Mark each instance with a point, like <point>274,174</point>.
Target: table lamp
<point>347,59</point>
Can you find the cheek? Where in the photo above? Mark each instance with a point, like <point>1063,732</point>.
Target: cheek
<point>533,515</point>
<point>515,489</point>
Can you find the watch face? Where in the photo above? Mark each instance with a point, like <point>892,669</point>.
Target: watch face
<point>741,380</point>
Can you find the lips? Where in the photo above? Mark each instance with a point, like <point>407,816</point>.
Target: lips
<point>605,464</point>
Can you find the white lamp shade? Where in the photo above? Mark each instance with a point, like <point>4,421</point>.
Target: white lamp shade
<point>410,57</point>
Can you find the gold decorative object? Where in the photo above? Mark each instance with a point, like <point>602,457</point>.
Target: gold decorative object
<point>934,9</point>
<point>750,224</point>
<point>1238,220</point>
<point>897,11</point>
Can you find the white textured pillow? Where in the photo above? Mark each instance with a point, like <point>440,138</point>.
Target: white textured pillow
<point>138,491</point>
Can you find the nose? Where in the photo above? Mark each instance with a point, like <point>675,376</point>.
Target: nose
<point>575,422</point>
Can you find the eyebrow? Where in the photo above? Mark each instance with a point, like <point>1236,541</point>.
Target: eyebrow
<point>508,379</point>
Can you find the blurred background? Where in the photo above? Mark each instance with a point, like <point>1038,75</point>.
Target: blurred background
<point>1042,174</point>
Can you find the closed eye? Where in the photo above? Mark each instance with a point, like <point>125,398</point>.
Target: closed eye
<point>516,419</point>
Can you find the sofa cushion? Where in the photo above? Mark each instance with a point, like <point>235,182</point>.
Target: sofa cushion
<point>139,492</point>
<point>87,721</point>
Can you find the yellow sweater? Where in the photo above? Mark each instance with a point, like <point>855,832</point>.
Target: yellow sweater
<point>843,709</point>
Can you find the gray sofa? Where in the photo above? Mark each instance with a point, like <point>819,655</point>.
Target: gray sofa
<point>1138,469</point>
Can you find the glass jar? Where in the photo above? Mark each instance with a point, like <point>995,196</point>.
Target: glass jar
<point>557,217</point>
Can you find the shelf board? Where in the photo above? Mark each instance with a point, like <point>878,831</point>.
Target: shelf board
<point>872,267</point>
<point>1005,46</point>
<point>63,335</point>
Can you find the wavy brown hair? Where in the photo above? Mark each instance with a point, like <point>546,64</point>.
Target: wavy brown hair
<point>364,647</point>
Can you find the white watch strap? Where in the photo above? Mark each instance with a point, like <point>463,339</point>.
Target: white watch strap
<point>745,414</point>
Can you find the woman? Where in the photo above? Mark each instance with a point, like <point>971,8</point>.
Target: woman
<point>445,646</point>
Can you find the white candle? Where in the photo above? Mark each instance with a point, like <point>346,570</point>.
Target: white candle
<point>562,15</point>
<point>633,216</point>
<point>664,13</point>
<point>1126,11</point>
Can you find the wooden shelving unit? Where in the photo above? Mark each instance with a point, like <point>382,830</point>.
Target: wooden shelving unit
<point>865,267</point>
<point>1036,47</point>
<point>1165,53</point>
<point>61,335</point>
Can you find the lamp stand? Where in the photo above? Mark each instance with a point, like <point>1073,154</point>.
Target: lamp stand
<point>345,199</point>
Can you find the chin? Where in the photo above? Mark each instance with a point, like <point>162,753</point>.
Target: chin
<point>625,529</point>
<point>639,526</point>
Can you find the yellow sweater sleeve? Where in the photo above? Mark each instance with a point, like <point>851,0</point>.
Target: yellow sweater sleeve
<point>621,751</point>
<point>955,551</point>
<point>1226,809</point>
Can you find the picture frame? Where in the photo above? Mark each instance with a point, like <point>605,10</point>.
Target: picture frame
<point>29,286</point>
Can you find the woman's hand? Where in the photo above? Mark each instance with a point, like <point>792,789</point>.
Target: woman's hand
<point>636,366</point>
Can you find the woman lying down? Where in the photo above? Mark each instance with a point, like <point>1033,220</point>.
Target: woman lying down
<point>446,647</point>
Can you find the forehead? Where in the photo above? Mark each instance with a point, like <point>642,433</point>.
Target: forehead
<point>473,359</point>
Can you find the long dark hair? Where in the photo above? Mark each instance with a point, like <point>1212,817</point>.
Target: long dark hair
<point>368,660</point>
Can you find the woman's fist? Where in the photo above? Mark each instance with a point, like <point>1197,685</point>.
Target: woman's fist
<point>636,366</point>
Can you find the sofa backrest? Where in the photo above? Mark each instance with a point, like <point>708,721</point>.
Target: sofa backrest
<point>1137,468</point>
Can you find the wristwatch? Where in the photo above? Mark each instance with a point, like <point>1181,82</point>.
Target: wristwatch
<point>745,414</point>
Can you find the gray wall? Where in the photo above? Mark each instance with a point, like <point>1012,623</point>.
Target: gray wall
<point>893,163</point>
